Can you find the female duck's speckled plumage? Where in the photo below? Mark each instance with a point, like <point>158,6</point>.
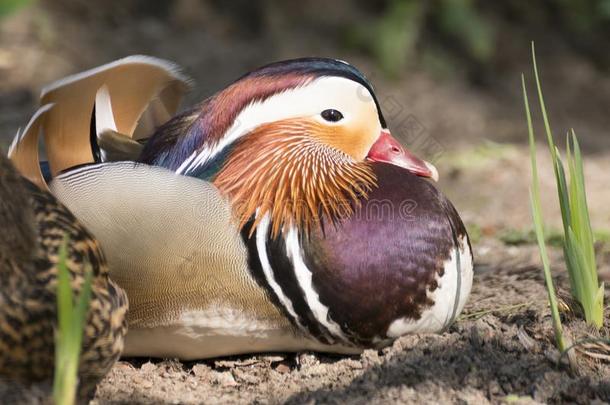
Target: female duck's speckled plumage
<point>33,226</point>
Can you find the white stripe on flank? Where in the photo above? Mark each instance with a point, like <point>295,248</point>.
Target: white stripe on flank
<point>449,298</point>
<point>467,268</point>
<point>304,278</point>
<point>261,247</point>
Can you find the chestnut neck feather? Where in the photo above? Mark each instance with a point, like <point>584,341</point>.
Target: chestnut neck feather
<point>280,170</point>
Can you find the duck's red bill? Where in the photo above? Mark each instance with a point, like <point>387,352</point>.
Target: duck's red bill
<point>388,150</point>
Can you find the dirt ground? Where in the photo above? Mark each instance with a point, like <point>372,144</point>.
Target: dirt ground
<point>501,349</point>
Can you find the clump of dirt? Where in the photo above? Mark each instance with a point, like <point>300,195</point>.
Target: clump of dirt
<point>501,350</point>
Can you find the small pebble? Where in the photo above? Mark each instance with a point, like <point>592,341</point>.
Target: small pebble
<point>226,379</point>
<point>282,368</point>
<point>200,370</point>
<point>148,367</point>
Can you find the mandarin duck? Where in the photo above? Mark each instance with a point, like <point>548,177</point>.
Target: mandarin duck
<point>277,215</point>
<point>34,225</point>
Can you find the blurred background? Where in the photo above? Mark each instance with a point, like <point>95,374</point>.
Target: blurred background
<point>446,71</point>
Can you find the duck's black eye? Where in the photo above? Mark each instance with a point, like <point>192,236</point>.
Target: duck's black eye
<point>332,115</point>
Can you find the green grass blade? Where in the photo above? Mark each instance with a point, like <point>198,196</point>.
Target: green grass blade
<point>547,125</point>
<point>550,287</point>
<point>584,232</point>
<point>562,190</point>
<point>530,131</point>
<point>564,204</point>
<point>575,268</point>
<point>598,307</point>
<point>582,263</point>
<point>587,238</point>
<point>64,319</point>
<point>71,318</point>
<point>555,155</point>
<point>589,298</point>
<point>578,240</point>
<point>539,226</point>
<point>576,211</point>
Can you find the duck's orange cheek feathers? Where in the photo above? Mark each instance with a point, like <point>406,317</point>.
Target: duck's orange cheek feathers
<point>355,142</point>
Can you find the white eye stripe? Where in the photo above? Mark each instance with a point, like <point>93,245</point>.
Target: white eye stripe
<point>338,93</point>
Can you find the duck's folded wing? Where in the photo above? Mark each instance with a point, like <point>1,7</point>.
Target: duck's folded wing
<point>136,94</point>
<point>170,240</point>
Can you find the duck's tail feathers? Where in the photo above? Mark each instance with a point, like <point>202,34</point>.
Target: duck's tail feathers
<point>23,151</point>
<point>127,98</point>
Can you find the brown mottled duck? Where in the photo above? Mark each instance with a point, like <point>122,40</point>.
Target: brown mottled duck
<point>33,225</point>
